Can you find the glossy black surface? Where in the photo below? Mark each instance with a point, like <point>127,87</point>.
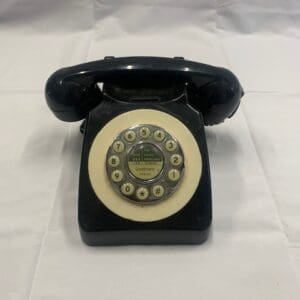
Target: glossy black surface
<point>100,226</point>
<point>72,92</point>
<point>194,93</point>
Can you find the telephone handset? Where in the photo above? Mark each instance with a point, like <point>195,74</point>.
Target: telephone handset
<point>144,176</point>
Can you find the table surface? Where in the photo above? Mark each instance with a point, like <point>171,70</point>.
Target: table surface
<point>253,250</point>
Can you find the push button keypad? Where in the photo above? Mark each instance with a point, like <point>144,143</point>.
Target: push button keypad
<point>145,164</point>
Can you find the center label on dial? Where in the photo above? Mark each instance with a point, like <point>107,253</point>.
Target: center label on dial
<point>145,161</point>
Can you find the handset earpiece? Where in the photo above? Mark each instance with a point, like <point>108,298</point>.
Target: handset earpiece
<point>218,99</point>
<point>71,97</point>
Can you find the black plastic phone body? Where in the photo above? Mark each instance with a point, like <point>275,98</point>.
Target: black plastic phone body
<point>193,93</point>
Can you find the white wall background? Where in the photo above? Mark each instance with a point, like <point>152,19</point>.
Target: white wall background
<point>253,251</point>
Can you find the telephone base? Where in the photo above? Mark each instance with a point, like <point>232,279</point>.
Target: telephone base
<point>101,223</point>
<point>149,237</point>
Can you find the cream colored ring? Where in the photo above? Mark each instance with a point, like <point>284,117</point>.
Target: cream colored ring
<point>130,210</point>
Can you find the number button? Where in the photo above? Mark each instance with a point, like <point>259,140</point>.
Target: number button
<point>144,132</point>
<point>113,161</point>
<point>159,135</point>
<point>130,136</point>
<point>173,175</point>
<point>142,193</point>
<point>176,160</point>
<point>118,146</point>
<point>117,176</point>
<point>158,191</point>
<point>127,188</point>
<point>171,145</point>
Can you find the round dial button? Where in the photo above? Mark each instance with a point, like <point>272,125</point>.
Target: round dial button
<point>145,132</point>
<point>130,136</point>
<point>127,188</point>
<point>145,164</point>
<point>174,175</point>
<point>159,135</point>
<point>171,145</point>
<point>176,160</point>
<point>117,176</point>
<point>142,193</point>
<point>158,191</point>
<point>145,161</point>
<point>118,146</point>
<point>114,161</point>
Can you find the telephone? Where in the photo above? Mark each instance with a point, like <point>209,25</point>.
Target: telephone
<point>144,176</point>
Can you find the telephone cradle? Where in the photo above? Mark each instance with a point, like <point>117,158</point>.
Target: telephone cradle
<point>144,175</point>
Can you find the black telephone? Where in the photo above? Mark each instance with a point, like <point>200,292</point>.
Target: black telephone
<point>144,176</point>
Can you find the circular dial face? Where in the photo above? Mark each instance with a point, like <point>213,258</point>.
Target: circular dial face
<point>145,164</point>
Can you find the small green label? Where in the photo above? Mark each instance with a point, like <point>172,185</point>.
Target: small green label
<point>145,161</point>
